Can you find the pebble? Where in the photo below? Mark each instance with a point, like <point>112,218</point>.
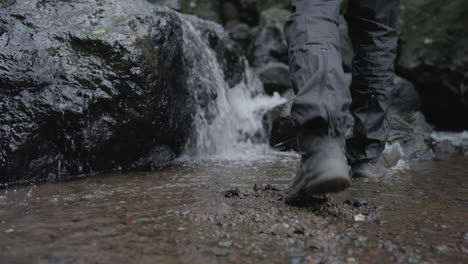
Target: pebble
<point>360,202</point>
<point>440,249</point>
<point>389,246</point>
<point>359,218</point>
<point>219,252</point>
<point>128,221</point>
<point>225,243</point>
<point>232,193</point>
<point>362,239</point>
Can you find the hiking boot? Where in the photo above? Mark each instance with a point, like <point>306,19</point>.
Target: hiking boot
<point>323,168</point>
<point>367,170</point>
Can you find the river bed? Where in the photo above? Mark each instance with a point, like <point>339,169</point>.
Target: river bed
<point>233,212</point>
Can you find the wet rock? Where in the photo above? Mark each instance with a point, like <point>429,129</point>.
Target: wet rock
<point>169,3</point>
<point>444,146</point>
<point>412,133</point>
<point>206,9</point>
<point>433,56</point>
<point>115,93</point>
<point>389,246</point>
<point>270,187</point>
<point>130,221</point>
<point>248,11</point>
<point>405,98</point>
<point>450,142</point>
<point>225,244</point>
<point>359,218</point>
<point>265,4</point>
<point>240,33</point>
<point>283,134</point>
<point>440,249</point>
<point>360,202</point>
<point>230,13</point>
<point>283,130</point>
<point>219,252</point>
<point>232,193</point>
<point>157,158</point>
<point>362,239</point>
<point>275,77</point>
<point>299,230</point>
<point>269,44</point>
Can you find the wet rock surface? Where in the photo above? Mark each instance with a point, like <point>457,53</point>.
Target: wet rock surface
<point>269,42</point>
<point>411,132</point>
<point>433,56</point>
<point>234,212</point>
<point>89,86</point>
<point>447,143</point>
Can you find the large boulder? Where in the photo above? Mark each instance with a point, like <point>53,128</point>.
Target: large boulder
<point>89,85</point>
<point>434,41</point>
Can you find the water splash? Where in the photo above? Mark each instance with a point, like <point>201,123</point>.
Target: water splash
<point>229,122</point>
<point>393,157</point>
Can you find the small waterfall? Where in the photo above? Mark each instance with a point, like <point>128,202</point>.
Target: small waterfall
<point>229,122</point>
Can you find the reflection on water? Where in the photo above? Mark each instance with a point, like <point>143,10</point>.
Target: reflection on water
<point>90,219</point>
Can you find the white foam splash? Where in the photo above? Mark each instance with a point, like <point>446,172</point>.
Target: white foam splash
<point>393,156</point>
<point>394,149</point>
<point>456,139</point>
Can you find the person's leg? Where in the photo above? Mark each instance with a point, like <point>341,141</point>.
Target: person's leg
<point>322,99</point>
<point>372,29</point>
<point>320,109</point>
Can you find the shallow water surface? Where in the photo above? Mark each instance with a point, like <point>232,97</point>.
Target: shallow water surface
<point>184,214</point>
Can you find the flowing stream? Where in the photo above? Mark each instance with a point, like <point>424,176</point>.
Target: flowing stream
<point>222,202</point>
<point>184,215</point>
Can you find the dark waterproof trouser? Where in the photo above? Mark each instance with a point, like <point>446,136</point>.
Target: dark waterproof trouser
<point>323,101</point>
